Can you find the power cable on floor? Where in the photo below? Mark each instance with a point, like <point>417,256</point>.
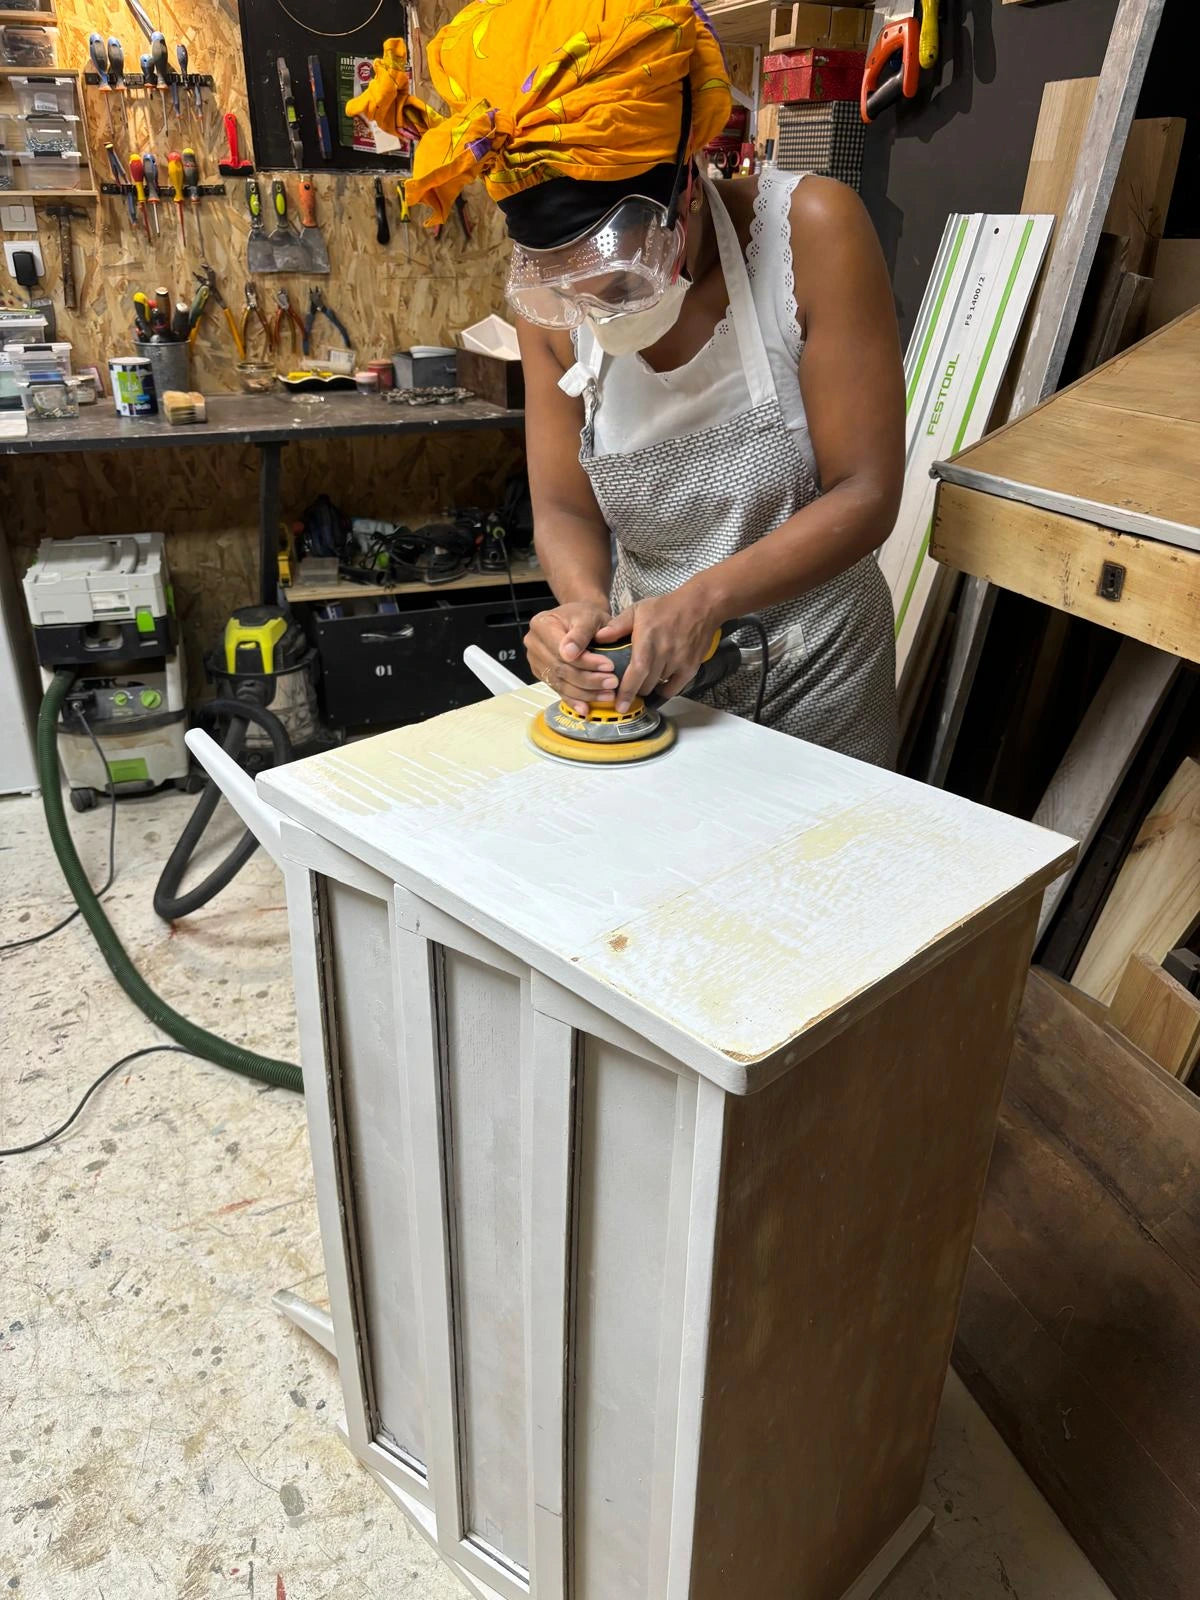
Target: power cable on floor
<point>134,1055</point>
<point>36,938</point>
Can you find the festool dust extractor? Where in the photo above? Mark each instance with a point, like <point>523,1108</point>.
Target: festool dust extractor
<point>104,607</point>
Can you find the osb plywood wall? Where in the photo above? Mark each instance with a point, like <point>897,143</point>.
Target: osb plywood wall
<point>388,299</point>
<point>205,500</point>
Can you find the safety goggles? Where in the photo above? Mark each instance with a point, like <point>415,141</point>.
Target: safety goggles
<point>625,262</point>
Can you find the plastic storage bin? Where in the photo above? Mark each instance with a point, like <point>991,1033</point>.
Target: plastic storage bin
<point>7,181</point>
<point>50,136</point>
<point>48,398</point>
<point>44,97</point>
<point>47,173</point>
<point>21,46</point>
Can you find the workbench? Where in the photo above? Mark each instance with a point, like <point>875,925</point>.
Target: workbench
<point>269,422</point>
<point>1091,502</point>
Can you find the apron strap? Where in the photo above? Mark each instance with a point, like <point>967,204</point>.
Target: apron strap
<point>756,364</point>
<point>589,358</point>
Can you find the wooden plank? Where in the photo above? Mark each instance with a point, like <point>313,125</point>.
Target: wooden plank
<point>821,1173</point>
<point>1059,560</point>
<point>1080,1327</point>
<point>1100,754</point>
<point>1142,192</point>
<point>1158,1015</point>
<point>1155,903</point>
<point>1053,317</point>
<point>1159,755</point>
<point>1057,142</point>
<point>346,589</point>
<point>1176,286</point>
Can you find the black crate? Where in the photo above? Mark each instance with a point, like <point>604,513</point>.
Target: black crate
<point>381,669</point>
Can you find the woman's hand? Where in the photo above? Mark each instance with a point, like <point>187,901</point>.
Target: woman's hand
<point>671,636</point>
<point>557,647</point>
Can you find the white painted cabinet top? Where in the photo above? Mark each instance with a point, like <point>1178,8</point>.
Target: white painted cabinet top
<point>735,901</point>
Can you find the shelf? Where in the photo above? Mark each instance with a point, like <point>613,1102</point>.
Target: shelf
<point>344,589</point>
<point>29,19</point>
<point>46,194</point>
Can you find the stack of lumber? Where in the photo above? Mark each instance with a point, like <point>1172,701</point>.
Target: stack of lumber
<point>1080,1326</point>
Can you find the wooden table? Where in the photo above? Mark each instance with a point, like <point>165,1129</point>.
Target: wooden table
<point>649,1110</point>
<point>269,422</point>
<point>1091,502</point>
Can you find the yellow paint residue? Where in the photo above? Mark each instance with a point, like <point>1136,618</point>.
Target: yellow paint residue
<point>438,763</point>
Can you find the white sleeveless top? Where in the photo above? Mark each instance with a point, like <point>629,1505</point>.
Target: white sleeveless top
<point>641,407</point>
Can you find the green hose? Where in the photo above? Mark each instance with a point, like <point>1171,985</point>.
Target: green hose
<point>282,1074</point>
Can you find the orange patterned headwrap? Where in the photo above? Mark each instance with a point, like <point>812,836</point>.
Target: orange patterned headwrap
<point>542,89</point>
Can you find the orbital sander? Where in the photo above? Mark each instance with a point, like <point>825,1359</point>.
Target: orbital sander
<point>608,737</point>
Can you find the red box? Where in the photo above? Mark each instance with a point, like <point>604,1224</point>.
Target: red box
<point>812,75</point>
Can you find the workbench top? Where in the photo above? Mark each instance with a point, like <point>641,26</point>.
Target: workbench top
<point>736,900</point>
<point>258,420</point>
<point>1119,448</point>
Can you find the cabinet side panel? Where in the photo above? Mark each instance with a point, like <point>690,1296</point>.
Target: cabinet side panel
<point>849,1197</point>
<point>375,1145</point>
<point>482,1086</point>
<point>625,1142</point>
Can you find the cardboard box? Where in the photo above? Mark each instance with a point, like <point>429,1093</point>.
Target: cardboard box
<point>803,27</point>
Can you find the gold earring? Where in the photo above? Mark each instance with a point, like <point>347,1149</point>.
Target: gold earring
<point>697,202</point>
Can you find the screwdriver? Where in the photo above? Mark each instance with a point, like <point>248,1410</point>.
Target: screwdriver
<point>116,70</point>
<point>158,54</point>
<point>141,314</point>
<point>118,172</point>
<point>100,62</point>
<point>153,193</point>
<point>191,183</point>
<point>175,178</point>
<point>137,176</point>
<point>181,55</point>
<point>149,81</point>
<point>179,322</point>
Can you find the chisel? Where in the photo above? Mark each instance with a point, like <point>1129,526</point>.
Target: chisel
<point>383,232</point>
<point>118,172</point>
<point>317,84</point>
<point>289,113</point>
<point>181,55</point>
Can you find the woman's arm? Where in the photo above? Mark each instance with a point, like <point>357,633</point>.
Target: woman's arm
<point>571,537</point>
<point>852,380</point>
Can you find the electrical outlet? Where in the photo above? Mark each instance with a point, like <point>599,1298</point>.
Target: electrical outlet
<point>18,219</point>
<point>11,246</point>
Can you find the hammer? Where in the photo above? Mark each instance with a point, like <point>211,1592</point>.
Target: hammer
<point>63,216</point>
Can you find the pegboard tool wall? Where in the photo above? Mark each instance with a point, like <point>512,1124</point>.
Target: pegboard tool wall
<point>965,146</point>
<point>205,500</point>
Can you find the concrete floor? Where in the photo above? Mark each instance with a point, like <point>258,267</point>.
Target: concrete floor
<point>162,1430</point>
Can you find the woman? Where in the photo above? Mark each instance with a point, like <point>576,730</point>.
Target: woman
<point>712,374</point>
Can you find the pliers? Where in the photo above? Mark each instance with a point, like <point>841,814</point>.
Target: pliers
<point>207,279</point>
<point>317,307</point>
<point>285,317</point>
<point>253,309</point>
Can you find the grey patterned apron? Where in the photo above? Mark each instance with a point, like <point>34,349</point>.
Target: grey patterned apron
<point>686,503</point>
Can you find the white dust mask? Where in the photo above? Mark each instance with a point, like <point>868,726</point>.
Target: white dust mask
<point>630,331</point>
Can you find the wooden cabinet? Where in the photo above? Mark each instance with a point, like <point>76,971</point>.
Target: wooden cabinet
<point>650,1110</point>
